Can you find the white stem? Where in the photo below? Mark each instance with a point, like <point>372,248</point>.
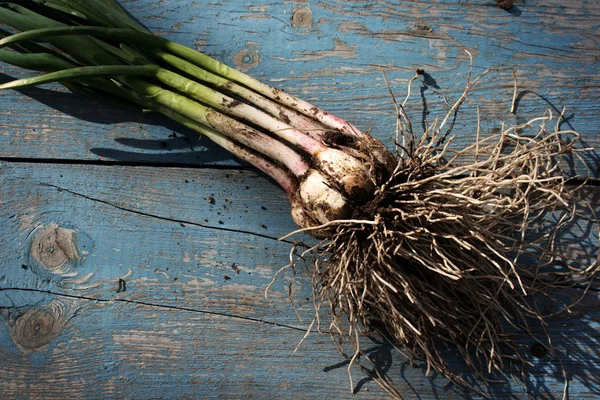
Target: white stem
<point>233,129</point>
<point>277,173</point>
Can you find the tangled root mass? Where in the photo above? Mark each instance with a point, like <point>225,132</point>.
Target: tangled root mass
<point>458,247</point>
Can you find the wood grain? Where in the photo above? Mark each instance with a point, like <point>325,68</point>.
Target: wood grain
<point>337,60</point>
<point>135,255</point>
<point>178,327</point>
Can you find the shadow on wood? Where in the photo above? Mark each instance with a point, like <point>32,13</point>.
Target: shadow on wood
<point>83,108</point>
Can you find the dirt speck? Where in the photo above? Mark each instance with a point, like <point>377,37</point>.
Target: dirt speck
<point>284,117</point>
<point>233,103</point>
<point>235,269</point>
<point>425,28</point>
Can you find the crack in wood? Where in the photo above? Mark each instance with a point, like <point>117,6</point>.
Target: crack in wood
<point>156,305</point>
<point>179,221</point>
<point>111,163</point>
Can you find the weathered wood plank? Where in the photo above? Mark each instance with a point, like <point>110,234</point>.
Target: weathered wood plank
<point>176,327</point>
<point>194,224</point>
<point>333,52</point>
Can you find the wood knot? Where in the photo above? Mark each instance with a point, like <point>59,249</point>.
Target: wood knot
<point>246,59</point>
<point>54,248</point>
<point>302,17</point>
<point>39,326</point>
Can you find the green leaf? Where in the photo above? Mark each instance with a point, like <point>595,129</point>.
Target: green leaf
<point>89,81</point>
<point>81,48</point>
<point>35,61</point>
<point>56,5</point>
<point>121,100</point>
<point>83,72</point>
<point>98,12</point>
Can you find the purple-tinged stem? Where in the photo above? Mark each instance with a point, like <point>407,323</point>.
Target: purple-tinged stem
<point>277,173</point>
<point>235,130</point>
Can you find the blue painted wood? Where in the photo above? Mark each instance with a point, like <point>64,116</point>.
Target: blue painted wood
<point>176,326</point>
<point>181,328</point>
<point>335,57</point>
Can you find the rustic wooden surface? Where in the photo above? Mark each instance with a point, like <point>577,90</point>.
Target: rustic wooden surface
<point>119,231</point>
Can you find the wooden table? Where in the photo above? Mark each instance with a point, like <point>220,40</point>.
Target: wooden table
<point>135,255</point>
